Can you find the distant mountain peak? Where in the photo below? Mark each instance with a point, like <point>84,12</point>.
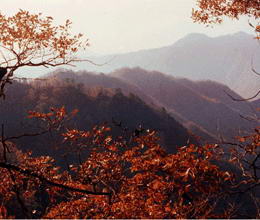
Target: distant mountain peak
<point>196,36</point>
<point>193,37</point>
<point>190,38</point>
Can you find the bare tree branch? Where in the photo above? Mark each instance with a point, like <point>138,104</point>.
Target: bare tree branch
<point>241,100</point>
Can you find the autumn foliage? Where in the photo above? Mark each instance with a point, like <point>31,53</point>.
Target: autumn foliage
<point>129,176</point>
<point>125,176</point>
<point>214,11</point>
<point>33,40</point>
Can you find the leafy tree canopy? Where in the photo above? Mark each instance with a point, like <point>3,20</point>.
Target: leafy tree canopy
<point>214,11</point>
<point>33,40</point>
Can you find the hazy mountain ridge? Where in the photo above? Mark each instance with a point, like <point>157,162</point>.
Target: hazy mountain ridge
<point>92,81</point>
<point>107,105</point>
<point>219,93</point>
<point>210,109</point>
<point>226,59</point>
<point>201,107</point>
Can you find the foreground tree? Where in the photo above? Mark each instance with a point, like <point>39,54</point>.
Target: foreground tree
<point>210,12</point>
<point>129,176</point>
<point>33,40</point>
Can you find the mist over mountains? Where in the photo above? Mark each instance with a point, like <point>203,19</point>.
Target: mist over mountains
<point>226,59</point>
<point>170,91</point>
<point>204,104</point>
<point>96,105</point>
<point>176,107</point>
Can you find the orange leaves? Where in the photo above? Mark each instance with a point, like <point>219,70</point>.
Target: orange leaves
<point>34,40</point>
<point>33,114</point>
<point>241,139</point>
<point>251,143</point>
<point>54,118</point>
<point>157,184</point>
<point>28,34</point>
<point>213,11</point>
<point>73,135</point>
<point>186,174</point>
<point>142,180</point>
<point>93,138</point>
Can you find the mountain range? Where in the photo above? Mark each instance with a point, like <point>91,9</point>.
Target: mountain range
<point>183,93</point>
<point>203,107</point>
<point>227,59</point>
<point>196,104</point>
<point>97,105</point>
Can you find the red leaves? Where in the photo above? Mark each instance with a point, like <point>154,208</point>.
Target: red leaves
<point>213,11</point>
<point>74,135</point>
<point>140,178</point>
<point>157,184</point>
<point>55,118</point>
<point>34,40</point>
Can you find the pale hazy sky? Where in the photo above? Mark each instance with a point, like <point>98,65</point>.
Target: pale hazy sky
<point>114,26</point>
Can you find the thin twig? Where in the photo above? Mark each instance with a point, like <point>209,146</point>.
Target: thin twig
<point>241,100</point>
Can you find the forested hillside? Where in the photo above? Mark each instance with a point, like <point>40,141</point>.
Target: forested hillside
<point>205,104</point>
<point>133,97</point>
<point>204,107</point>
<point>96,105</point>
